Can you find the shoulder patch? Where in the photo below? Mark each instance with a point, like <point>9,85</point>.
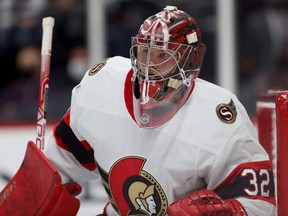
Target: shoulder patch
<point>93,70</point>
<point>227,112</point>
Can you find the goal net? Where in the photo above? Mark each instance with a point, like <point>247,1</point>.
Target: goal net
<point>272,126</point>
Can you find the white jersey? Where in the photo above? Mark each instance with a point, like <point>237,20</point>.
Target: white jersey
<point>210,143</point>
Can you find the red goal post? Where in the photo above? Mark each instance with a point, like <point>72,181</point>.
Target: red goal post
<point>272,125</point>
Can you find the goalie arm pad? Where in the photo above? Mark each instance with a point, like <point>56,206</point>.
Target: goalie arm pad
<point>206,202</point>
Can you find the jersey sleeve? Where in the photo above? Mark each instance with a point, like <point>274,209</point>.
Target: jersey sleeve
<point>252,184</point>
<point>71,156</point>
<point>244,172</point>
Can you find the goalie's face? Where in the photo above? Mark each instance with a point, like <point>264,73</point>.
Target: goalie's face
<point>158,80</point>
<point>155,62</point>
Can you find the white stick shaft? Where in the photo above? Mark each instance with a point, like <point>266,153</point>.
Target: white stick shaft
<point>46,48</point>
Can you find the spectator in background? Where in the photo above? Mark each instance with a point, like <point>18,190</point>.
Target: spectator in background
<point>20,38</point>
<point>277,77</point>
<point>77,63</point>
<point>19,98</point>
<point>19,26</point>
<point>262,37</point>
<point>21,42</point>
<point>69,30</point>
<point>69,33</point>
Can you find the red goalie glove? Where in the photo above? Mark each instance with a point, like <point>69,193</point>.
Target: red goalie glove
<point>204,203</point>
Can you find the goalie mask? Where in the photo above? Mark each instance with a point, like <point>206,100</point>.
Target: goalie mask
<point>166,54</point>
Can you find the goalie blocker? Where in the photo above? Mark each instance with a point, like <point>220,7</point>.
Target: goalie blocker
<point>206,202</point>
<point>36,189</point>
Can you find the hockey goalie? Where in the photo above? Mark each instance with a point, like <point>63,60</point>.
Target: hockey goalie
<point>162,140</point>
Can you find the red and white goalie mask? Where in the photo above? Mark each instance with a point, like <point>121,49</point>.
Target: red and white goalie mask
<point>166,54</point>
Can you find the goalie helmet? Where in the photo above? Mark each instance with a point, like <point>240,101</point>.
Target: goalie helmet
<point>166,55</point>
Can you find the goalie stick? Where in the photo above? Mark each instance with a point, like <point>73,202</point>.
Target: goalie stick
<point>36,188</point>
<point>48,24</point>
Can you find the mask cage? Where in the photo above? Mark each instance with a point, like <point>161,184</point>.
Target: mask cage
<point>183,57</point>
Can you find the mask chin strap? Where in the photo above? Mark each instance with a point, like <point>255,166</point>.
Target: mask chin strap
<point>146,82</point>
<point>186,80</point>
<point>145,92</point>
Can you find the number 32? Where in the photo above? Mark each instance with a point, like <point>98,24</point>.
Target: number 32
<point>253,181</point>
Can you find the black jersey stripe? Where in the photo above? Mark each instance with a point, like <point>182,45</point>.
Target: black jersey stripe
<point>83,155</point>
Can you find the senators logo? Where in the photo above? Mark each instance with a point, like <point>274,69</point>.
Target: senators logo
<point>227,112</point>
<point>97,67</point>
<point>133,191</point>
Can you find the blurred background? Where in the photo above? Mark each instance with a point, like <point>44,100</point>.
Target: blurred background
<point>247,47</point>
<point>86,31</point>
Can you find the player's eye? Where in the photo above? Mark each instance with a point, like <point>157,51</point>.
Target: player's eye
<point>144,51</point>
<point>164,55</point>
